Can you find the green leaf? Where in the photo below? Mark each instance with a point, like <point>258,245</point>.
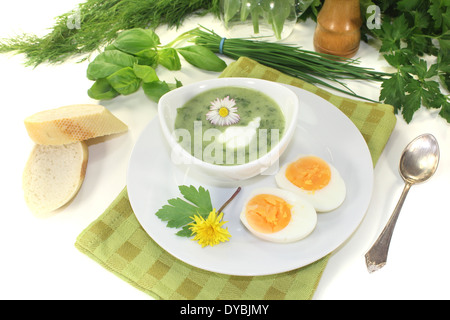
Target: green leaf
<point>201,197</point>
<point>432,71</point>
<point>156,89</point>
<point>431,96</point>
<point>278,13</point>
<point>421,19</point>
<point>408,5</point>
<point>136,40</point>
<point>301,6</point>
<point>169,58</point>
<point>175,85</point>
<point>148,57</point>
<point>146,73</point>
<point>436,12</point>
<point>185,232</point>
<point>446,19</point>
<point>413,100</point>
<point>108,62</point>
<point>393,91</point>
<point>102,90</point>
<point>202,58</point>
<point>419,44</point>
<point>178,211</point>
<point>420,67</point>
<point>444,56</point>
<point>445,111</point>
<point>245,10</point>
<point>397,59</point>
<point>445,79</point>
<point>124,81</point>
<point>230,9</point>
<point>393,33</point>
<point>308,9</point>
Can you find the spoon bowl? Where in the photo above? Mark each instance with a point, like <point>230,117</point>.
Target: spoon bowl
<point>418,163</point>
<point>420,159</point>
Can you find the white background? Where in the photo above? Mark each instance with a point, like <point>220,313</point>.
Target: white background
<point>38,257</point>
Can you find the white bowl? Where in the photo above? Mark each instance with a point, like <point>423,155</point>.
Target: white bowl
<point>286,99</point>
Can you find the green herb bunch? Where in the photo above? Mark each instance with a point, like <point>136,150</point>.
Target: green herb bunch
<point>100,21</point>
<point>309,66</point>
<point>130,62</point>
<point>411,31</point>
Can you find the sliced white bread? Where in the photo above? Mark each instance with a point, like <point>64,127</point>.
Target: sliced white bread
<point>53,175</point>
<point>72,124</point>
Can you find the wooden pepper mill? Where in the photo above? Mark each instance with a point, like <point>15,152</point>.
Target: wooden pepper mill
<point>338,29</point>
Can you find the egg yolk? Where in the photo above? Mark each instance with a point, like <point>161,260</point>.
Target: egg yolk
<point>267,213</point>
<point>309,173</point>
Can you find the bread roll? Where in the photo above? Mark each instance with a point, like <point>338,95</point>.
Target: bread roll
<point>72,123</point>
<point>53,175</point>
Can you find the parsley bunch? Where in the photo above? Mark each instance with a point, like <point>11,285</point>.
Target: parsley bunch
<point>411,31</point>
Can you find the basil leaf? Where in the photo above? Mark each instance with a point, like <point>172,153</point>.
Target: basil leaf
<point>124,81</point>
<point>102,90</point>
<point>156,89</point>
<point>108,62</point>
<point>169,58</point>
<point>136,40</point>
<point>148,57</point>
<point>202,58</point>
<point>146,73</point>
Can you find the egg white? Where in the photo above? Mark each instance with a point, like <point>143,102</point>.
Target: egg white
<point>324,200</point>
<point>303,217</point>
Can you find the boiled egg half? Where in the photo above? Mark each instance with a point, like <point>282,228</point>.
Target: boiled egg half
<point>278,215</point>
<point>315,180</point>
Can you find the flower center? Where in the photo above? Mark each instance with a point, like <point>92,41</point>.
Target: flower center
<point>223,112</point>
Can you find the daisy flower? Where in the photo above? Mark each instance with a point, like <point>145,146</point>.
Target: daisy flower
<point>209,231</point>
<point>223,112</point>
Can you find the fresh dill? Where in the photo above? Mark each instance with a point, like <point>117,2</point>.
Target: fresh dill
<point>100,21</point>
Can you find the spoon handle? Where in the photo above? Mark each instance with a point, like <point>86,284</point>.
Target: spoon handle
<point>377,255</point>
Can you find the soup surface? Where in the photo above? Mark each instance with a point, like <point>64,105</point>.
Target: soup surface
<point>261,125</point>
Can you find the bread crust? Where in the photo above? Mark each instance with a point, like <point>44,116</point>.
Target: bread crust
<point>72,123</point>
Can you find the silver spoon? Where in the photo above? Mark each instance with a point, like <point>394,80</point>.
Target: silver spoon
<point>418,163</point>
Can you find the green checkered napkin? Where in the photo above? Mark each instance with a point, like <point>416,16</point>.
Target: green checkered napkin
<point>117,241</point>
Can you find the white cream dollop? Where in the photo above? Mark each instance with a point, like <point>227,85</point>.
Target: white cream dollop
<point>238,137</point>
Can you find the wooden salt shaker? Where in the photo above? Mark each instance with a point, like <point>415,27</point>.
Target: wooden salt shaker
<point>338,28</point>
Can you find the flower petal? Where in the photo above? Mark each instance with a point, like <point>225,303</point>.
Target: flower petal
<point>209,231</point>
<point>216,118</point>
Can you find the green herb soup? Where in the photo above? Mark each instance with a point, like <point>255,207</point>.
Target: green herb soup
<point>260,126</point>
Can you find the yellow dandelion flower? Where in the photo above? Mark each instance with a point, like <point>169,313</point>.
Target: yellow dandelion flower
<point>210,231</point>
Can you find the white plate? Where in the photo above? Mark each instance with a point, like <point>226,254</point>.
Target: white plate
<point>322,130</point>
